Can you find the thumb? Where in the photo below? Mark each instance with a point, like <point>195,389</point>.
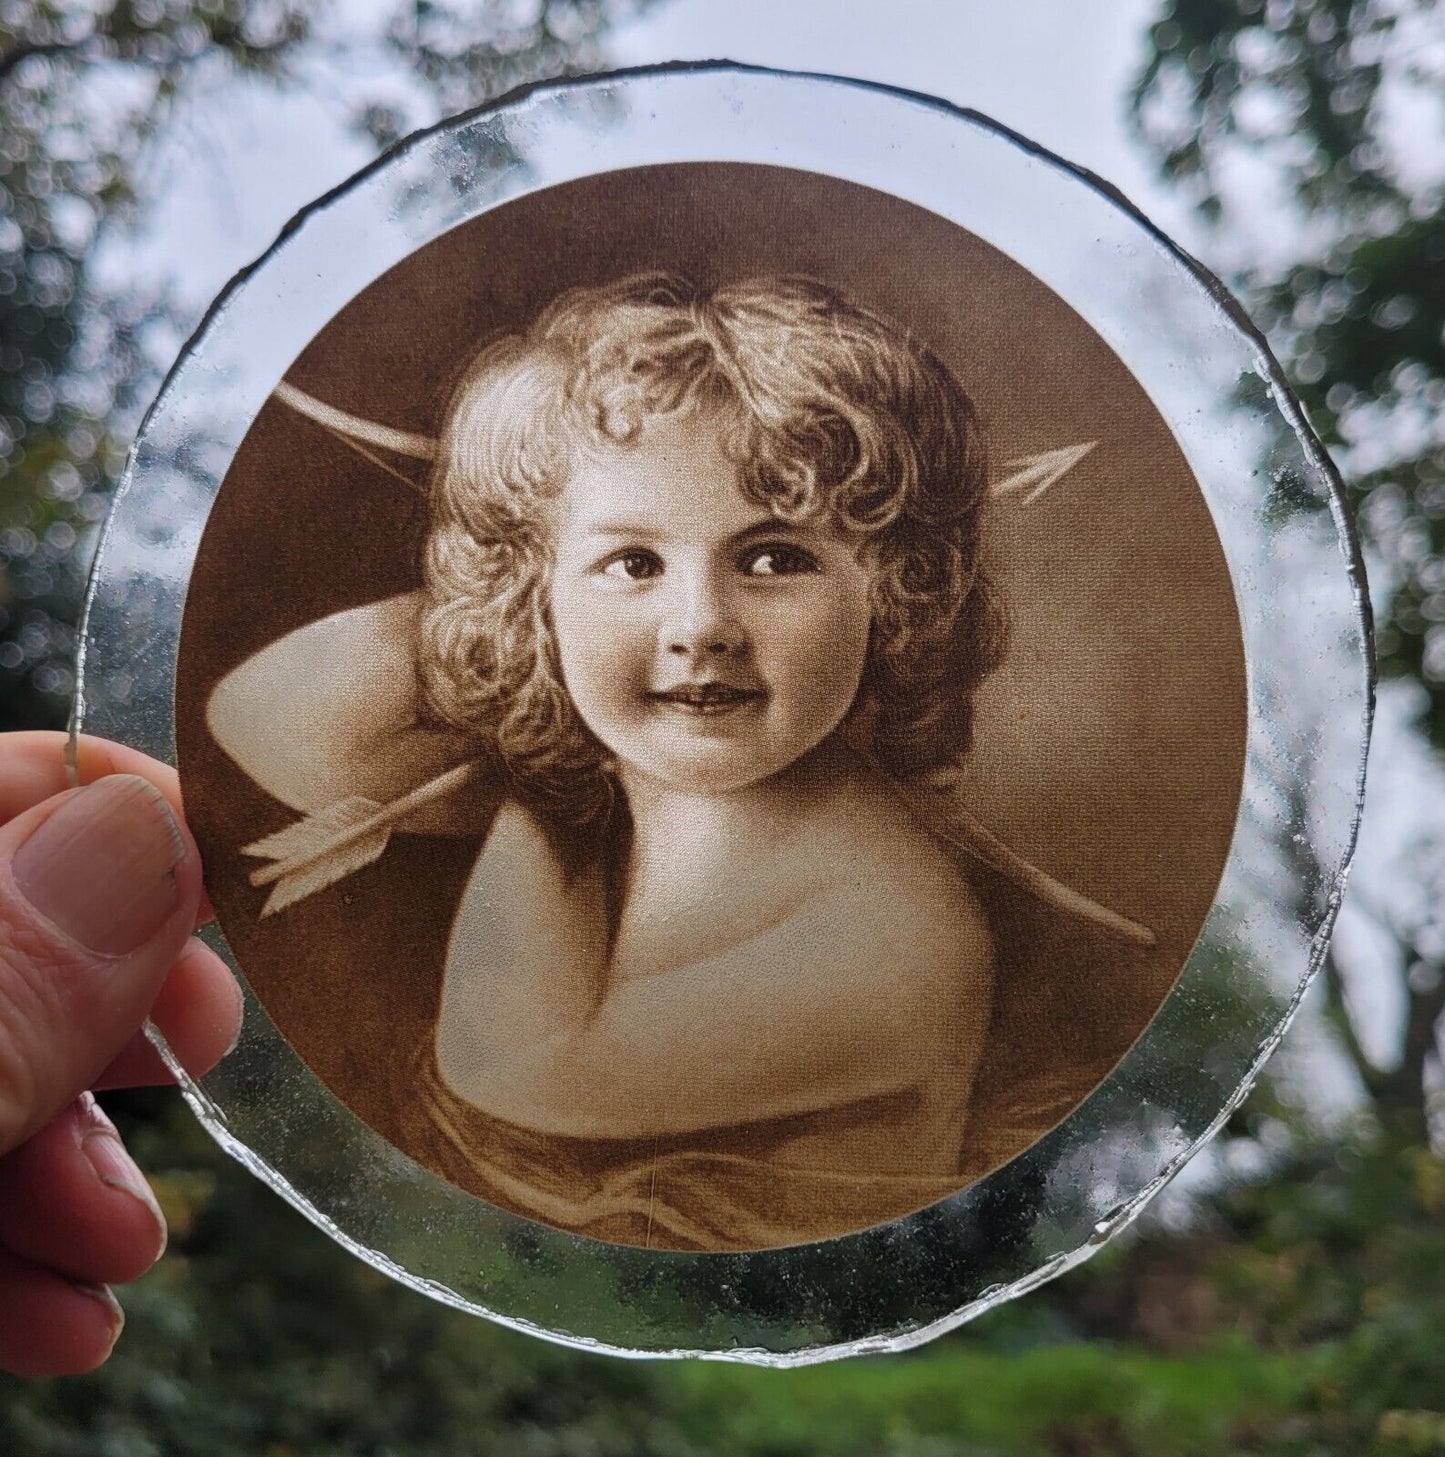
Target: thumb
<point>98,893</point>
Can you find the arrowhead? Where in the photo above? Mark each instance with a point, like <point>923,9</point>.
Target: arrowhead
<point>1032,475</point>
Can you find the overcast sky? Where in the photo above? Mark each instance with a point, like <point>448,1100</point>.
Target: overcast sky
<point>1057,73</point>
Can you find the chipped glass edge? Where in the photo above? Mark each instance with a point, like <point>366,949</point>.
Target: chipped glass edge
<point>559,131</point>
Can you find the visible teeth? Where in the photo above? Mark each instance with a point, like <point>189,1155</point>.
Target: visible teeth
<point>705,695</point>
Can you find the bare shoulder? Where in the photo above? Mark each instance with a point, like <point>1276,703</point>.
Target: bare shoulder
<point>907,907</point>
<point>518,840</point>
<point>908,865</point>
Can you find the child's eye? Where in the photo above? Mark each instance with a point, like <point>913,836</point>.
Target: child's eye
<point>634,566</point>
<point>778,559</point>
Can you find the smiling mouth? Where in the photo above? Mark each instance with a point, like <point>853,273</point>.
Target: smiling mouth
<point>705,698</point>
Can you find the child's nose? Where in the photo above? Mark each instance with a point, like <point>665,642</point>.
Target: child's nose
<point>703,624</point>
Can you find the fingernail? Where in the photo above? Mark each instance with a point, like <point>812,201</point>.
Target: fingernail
<point>240,1024</point>
<point>115,1168</point>
<point>105,1296</point>
<point>101,868</point>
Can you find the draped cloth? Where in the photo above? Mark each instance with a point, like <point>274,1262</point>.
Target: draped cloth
<point>663,1193</point>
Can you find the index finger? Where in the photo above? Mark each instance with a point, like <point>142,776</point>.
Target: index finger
<point>32,769</point>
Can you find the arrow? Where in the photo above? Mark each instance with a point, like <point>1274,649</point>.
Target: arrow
<point>332,843</point>
<point>1036,473</point>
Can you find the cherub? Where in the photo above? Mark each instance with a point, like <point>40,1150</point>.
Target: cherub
<point>704,604</point>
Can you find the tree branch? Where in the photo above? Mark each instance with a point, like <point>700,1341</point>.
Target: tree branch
<point>1426,1009</point>
<point>1338,1015</point>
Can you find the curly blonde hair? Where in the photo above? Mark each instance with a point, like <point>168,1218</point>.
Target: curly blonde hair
<point>826,407</point>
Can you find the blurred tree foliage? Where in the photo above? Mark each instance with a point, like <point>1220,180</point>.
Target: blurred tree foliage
<point>72,362</point>
<point>1301,1315</point>
<point>1325,120</point>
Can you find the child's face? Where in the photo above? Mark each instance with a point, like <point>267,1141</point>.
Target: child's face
<point>707,644</point>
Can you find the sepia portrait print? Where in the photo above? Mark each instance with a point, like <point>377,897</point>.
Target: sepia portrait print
<point>713,705</point>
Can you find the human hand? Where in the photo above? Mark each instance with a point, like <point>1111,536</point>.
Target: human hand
<point>100,888</point>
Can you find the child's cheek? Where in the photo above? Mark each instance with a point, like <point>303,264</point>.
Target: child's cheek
<point>605,667</point>
<point>834,634</point>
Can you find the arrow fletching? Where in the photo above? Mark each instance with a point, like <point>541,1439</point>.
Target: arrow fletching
<point>318,851</point>
<point>341,839</point>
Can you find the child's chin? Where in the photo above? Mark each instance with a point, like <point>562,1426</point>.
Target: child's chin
<point>691,776</point>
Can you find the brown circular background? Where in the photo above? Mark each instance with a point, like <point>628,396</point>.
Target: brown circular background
<point>1110,745</point>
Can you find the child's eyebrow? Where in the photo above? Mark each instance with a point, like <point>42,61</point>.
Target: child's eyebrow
<point>631,530</point>
<point>774,526</point>
<point>770,526</point>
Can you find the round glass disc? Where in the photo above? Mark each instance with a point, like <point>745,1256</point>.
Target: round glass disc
<point>747,654</point>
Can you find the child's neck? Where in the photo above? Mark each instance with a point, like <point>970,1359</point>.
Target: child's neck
<point>684,838</point>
